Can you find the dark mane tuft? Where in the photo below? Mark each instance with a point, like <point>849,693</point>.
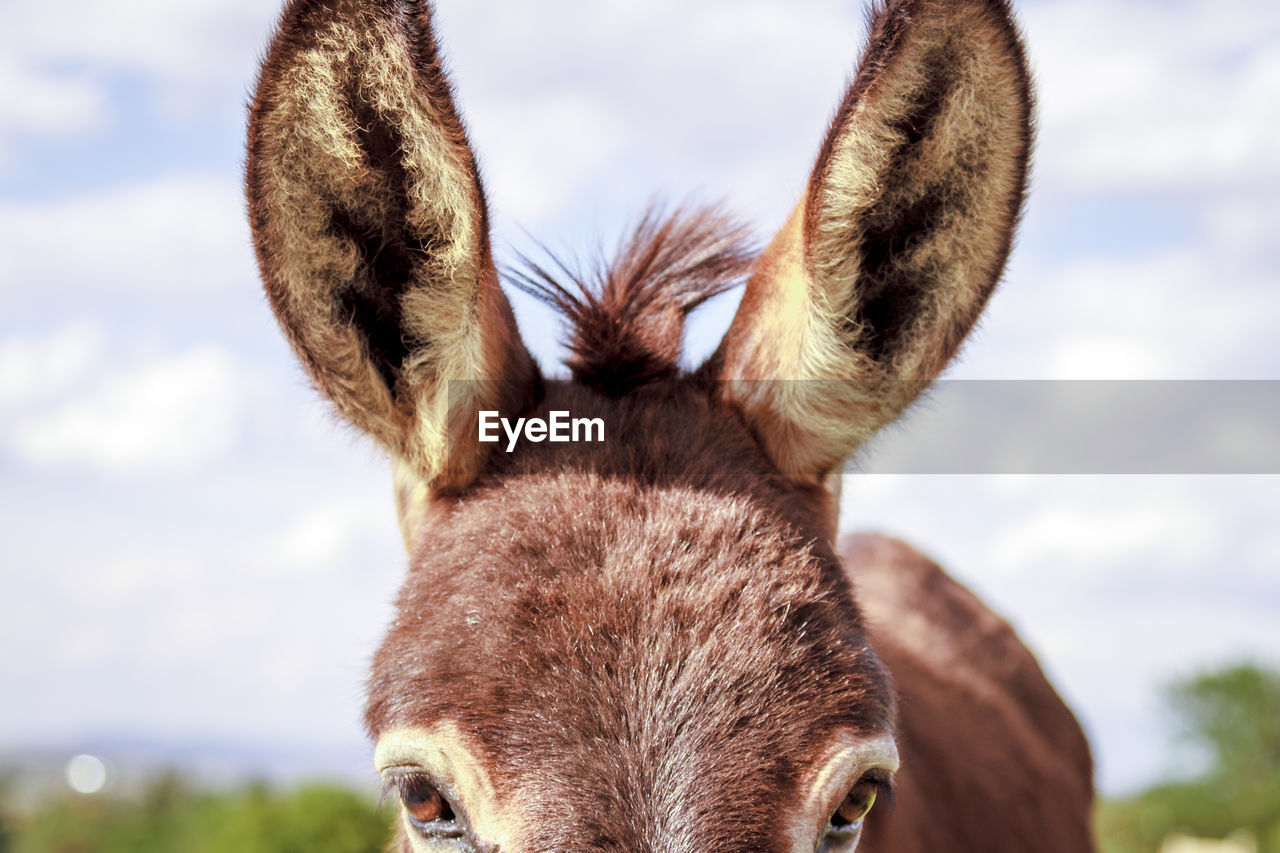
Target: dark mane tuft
<point>626,316</point>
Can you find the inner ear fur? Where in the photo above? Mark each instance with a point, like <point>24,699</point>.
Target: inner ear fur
<point>870,288</point>
<point>371,232</point>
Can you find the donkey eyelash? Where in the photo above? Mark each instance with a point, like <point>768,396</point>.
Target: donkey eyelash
<point>886,794</point>
<point>885,791</point>
<point>397,781</point>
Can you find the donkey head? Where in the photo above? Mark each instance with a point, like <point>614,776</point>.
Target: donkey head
<point>644,643</point>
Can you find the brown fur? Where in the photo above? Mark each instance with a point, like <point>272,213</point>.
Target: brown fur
<point>1023,779</point>
<point>650,643</point>
<point>643,636</point>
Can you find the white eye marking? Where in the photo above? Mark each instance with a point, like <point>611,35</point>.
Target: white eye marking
<point>844,788</point>
<point>447,800</point>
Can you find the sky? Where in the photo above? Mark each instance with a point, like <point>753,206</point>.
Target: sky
<point>192,549</point>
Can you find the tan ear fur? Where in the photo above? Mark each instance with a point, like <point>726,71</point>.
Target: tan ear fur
<point>867,292</point>
<point>372,235</point>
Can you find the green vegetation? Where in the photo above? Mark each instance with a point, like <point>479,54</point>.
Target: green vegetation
<point>171,818</point>
<point>1233,717</point>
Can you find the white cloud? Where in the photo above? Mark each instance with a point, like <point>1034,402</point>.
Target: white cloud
<point>1098,541</point>
<point>541,158</point>
<point>607,104</point>
<point>172,415</point>
<point>186,55</point>
<point>168,235</point>
<point>191,40</point>
<point>1242,224</point>
<point>33,369</point>
<point>1105,357</point>
<point>46,104</point>
<point>326,534</point>
<point>1183,96</point>
<point>185,614</point>
<point>1196,310</point>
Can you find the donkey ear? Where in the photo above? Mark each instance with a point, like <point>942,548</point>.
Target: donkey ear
<point>869,289</point>
<point>372,236</point>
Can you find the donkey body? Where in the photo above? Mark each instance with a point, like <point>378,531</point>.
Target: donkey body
<point>650,643</point>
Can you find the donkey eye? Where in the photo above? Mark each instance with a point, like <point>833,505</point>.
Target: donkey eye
<point>427,808</point>
<point>854,807</point>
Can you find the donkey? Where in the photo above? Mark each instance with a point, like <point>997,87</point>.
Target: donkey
<point>652,642</point>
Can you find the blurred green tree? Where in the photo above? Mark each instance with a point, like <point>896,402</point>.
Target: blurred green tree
<point>1231,717</point>
<point>1234,714</point>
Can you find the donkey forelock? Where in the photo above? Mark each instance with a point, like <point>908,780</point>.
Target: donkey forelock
<point>647,642</point>
<point>627,314</point>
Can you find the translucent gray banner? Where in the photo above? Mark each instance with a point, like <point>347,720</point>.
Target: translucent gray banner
<point>965,427</point>
<point>1083,427</point>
